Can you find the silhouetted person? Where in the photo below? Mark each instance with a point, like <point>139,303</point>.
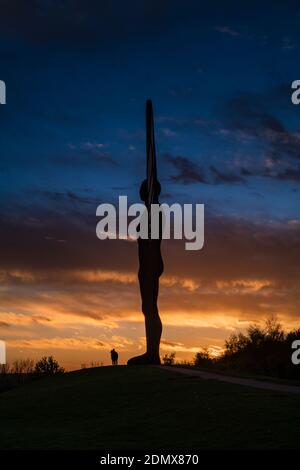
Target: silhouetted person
<point>114,357</point>
<point>150,260</point>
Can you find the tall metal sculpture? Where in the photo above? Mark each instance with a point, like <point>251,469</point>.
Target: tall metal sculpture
<point>150,260</point>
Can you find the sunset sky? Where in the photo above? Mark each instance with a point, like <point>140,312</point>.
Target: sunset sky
<point>72,135</point>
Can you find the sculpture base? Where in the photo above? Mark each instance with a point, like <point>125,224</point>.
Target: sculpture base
<point>144,359</point>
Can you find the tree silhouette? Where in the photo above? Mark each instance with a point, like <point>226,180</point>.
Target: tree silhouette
<point>48,366</point>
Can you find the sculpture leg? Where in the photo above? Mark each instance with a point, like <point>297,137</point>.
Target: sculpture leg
<point>149,293</point>
<point>153,323</point>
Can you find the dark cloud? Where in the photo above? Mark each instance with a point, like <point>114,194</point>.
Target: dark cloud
<point>188,172</point>
<point>286,174</point>
<point>234,248</point>
<point>178,125</point>
<point>68,196</point>
<point>289,174</point>
<point>250,115</point>
<point>73,22</point>
<point>222,177</point>
<point>85,158</point>
<point>36,242</point>
<point>246,172</point>
<point>51,210</point>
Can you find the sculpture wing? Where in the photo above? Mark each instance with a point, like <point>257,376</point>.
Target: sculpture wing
<point>151,155</point>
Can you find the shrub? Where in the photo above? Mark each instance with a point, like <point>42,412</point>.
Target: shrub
<point>48,366</point>
<point>169,359</point>
<point>203,358</point>
<point>23,366</point>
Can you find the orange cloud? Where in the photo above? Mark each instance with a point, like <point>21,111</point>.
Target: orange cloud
<point>80,294</point>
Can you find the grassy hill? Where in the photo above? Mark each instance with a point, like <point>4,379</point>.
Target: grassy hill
<point>136,408</point>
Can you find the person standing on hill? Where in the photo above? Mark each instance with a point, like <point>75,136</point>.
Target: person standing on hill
<point>114,357</point>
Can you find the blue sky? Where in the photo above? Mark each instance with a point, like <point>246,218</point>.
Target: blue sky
<point>74,121</point>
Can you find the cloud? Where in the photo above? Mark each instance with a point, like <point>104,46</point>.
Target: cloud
<point>168,132</point>
<point>91,24</point>
<point>85,156</point>
<point>29,245</point>
<point>66,196</point>
<point>93,145</point>
<point>49,290</point>
<point>227,30</point>
<point>250,116</point>
<point>288,44</point>
<point>221,177</point>
<point>292,174</point>
<point>177,125</point>
<point>81,278</point>
<point>69,343</point>
<point>188,172</point>
<point>178,347</point>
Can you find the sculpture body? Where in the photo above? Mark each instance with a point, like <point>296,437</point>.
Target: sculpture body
<point>150,260</point>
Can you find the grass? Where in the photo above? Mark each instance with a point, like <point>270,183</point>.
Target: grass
<point>145,408</point>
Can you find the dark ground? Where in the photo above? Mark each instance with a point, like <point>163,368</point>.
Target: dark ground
<point>145,408</point>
